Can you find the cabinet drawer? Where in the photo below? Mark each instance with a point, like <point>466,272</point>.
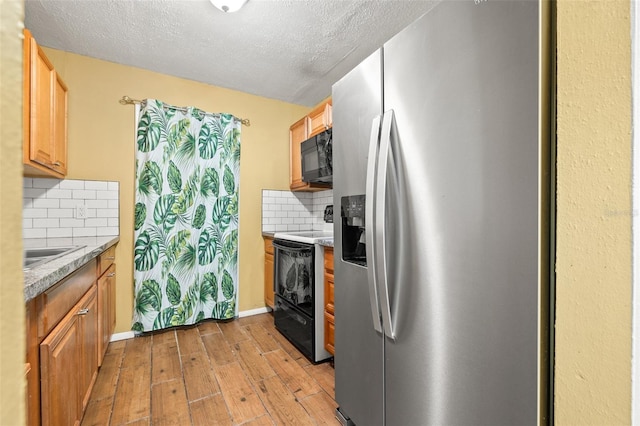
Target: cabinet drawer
<point>328,259</point>
<point>106,259</point>
<point>56,302</point>
<point>268,247</point>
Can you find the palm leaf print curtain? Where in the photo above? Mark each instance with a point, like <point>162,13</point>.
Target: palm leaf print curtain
<point>186,216</point>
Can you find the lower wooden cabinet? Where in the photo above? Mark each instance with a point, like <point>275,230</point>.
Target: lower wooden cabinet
<point>68,329</point>
<point>107,311</point>
<point>268,272</point>
<point>69,364</point>
<point>329,306</point>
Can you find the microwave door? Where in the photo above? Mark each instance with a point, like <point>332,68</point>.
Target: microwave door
<point>310,161</point>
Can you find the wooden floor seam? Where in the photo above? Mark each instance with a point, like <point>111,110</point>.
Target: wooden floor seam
<point>241,372</point>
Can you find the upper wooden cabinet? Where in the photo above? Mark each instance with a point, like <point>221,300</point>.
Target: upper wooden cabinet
<point>297,134</point>
<point>45,114</point>
<point>318,120</point>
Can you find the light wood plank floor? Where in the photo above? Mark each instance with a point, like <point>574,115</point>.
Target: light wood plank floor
<point>242,372</point>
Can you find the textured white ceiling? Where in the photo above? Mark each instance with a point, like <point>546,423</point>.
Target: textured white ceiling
<point>292,50</point>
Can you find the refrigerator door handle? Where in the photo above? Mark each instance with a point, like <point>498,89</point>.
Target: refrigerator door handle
<point>384,156</point>
<point>369,220</point>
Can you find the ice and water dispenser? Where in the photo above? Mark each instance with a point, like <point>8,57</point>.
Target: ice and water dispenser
<point>354,243</point>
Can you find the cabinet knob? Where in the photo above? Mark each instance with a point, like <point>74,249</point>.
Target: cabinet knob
<point>84,311</point>
<point>57,164</point>
<point>111,258</point>
<point>113,274</point>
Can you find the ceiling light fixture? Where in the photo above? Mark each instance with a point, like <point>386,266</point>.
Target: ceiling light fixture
<point>228,6</point>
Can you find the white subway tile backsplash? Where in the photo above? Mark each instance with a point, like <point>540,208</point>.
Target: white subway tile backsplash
<point>34,193</point>
<point>85,232</point>
<point>98,222</point>
<point>94,184</point>
<point>107,195</point>
<point>71,184</point>
<point>45,183</point>
<point>58,242</point>
<point>298,211</point>
<point>34,233</point>
<point>60,193</point>
<point>107,213</point>
<point>44,203</point>
<point>84,194</point>
<point>33,213</point>
<point>46,223</point>
<point>109,230</point>
<point>72,223</point>
<point>59,232</point>
<point>66,213</point>
<point>96,204</point>
<point>49,208</point>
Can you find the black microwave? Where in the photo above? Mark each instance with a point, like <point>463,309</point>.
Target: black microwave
<point>317,160</point>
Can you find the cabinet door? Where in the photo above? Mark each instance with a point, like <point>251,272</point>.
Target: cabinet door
<point>59,163</point>
<point>329,310</point>
<point>60,381</point>
<point>297,134</point>
<point>320,119</point>
<point>112,300</point>
<point>42,84</point>
<point>268,273</point>
<point>88,324</point>
<point>106,310</point>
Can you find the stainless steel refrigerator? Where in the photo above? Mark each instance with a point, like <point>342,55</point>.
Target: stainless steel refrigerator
<point>441,154</point>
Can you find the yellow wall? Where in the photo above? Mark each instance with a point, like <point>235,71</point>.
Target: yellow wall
<point>101,146</point>
<point>12,315</point>
<point>593,269</point>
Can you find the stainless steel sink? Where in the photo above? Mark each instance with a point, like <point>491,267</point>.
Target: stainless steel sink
<point>38,256</point>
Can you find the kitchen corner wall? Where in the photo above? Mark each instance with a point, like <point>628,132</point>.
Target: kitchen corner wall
<point>295,211</point>
<point>49,211</point>
<point>594,214</point>
<point>102,140</point>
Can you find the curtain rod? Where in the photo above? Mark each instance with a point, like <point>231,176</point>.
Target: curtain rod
<point>128,101</point>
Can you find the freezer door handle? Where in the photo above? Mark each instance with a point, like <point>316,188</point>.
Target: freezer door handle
<point>384,157</point>
<point>369,220</point>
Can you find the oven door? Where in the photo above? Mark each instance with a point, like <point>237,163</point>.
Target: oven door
<point>294,274</point>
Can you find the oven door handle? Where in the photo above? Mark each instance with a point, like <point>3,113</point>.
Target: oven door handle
<point>293,247</point>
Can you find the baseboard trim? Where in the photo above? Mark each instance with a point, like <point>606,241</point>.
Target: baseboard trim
<point>122,336</point>
<point>253,312</point>
<point>130,334</point>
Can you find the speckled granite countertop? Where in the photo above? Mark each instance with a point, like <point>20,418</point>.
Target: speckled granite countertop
<point>327,242</point>
<point>40,278</point>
